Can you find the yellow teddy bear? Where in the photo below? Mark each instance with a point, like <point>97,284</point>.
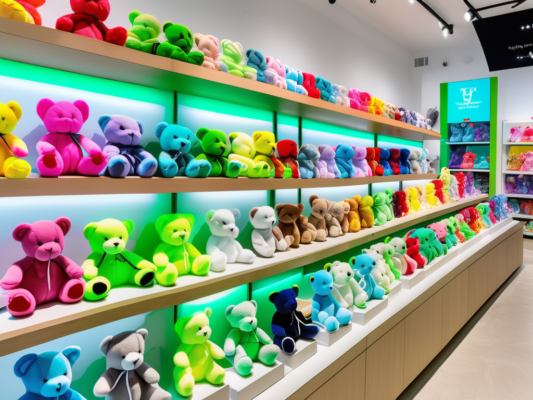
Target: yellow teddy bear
<point>414,202</point>
<point>11,146</point>
<point>10,9</point>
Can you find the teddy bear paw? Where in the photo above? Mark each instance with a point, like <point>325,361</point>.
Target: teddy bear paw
<point>195,57</point>
<point>244,366</point>
<point>145,277</point>
<point>288,345</point>
<point>20,302</point>
<point>147,168</point>
<point>331,324</point>
<point>15,168</point>
<point>117,36</point>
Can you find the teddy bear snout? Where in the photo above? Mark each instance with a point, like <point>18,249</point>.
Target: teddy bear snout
<point>132,361</point>
<point>56,386</point>
<point>114,245</point>
<point>64,125</point>
<point>47,251</point>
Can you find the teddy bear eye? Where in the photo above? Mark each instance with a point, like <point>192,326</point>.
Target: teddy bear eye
<point>3,118</point>
<point>65,374</point>
<point>123,357</point>
<point>121,128</point>
<point>106,239</point>
<point>217,141</point>
<point>45,380</point>
<point>200,328</point>
<point>223,223</point>
<point>39,243</point>
<point>57,240</point>
<point>175,230</point>
<point>175,137</point>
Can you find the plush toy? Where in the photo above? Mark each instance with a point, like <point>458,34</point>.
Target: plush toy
<point>468,160</point>
<point>341,95</point>
<point>343,158</point>
<point>515,134</point>
<point>377,156</point>
<point>470,188</point>
<point>441,231</point>
<point>61,151</point>
<point>363,266</point>
<point>484,210</point>
<point>390,194</point>
<point>176,256</point>
<point>438,185</point>
<point>362,169</point>
<point>514,162</point>
<point>413,251</point>
<point>309,85</point>
<point>88,20</point>
<point>415,204</point>
<point>216,149</point>
<point>288,324</point>
<point>384,155</point>
<point>195,357</point>
<point>527,135</point>
<point>14,10</point>
<point>307,159</point>
<point>326,310</point>
<point>430,246</point>
<point>327,167</point>
<point>432,116</point>
<point>336,218</point>
<point>144,33</point>
<point>454,235</point>
<point>44,275</point>
<point>266,238</point>
<point>265,144</point>
<point>371,161</point>
<point>422,197</point>
<point>464,229</point>
<point>399,204</point>
<point>447,180</point>
<point>243,151</point>
<point>319,210</point>
<point>482,133</point>
<point>354,219</point>
<point>233,60</point>
<point>387,252</point>
<point>365,211</point>
<point>359,100</point>
<point>482,162</point>
<point>124,354</point>
<point>468,135</point>
<point>423,161</point>
<point>48,375</point>
<point>256,60</point>
<point>405,164</point>
<point>457,133</point>
<point>347,290</point>
<point>454,189</point>
<point>409,265</point>
<point>381,209</point>
<point>432,200</point>
<point>31,9</point>
<point>393,160</point>
<point>481,183</point>
<point>125,154</point>
<point>246,342</point>
<point>460,176</point>
<point>110,264</point>
<point>222,245</point>
<point>433,163</point>
<point>382,273</point>
<point>275,73</point>
<point>11,146</point>
<point>179,44</point>
<point>527,158</point>
<point>456,156</point>
<point>295,80</point>
<point>471,216</point>
<point>209,46</point>
<point>413,158</point>
<point>326,92</point>
<point>288,155</point>
<point>295,228</point>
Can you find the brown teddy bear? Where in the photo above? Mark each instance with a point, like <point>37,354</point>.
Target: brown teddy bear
<point>365,210</point>
<point>336,218</point>
<point>317,218</point>
<point>354,218</point>
<point>294,226</point>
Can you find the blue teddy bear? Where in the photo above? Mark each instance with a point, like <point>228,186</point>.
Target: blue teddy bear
<point>343,157</point>
<point>257,61</point>
<point>457,133</point>
<point>326,92</point>
<point>295,80</point>
<point>327,310</point>
<point>307,158</point>
<point>174,160</point>
<point>363,266</point>
<point>405,164</point>
<point>469,133</point>
<point>384,161</point>
<point>126,156</point>
<point>48,375</point>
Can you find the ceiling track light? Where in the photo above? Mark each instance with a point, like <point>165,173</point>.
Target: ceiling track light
<point>447,29</point>
<point>473,13</point>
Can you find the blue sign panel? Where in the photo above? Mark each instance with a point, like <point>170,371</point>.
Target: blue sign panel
<point>469,100</point>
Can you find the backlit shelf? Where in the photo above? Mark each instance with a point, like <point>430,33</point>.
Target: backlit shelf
<point>465,143</point>
<point>518,143</point>
<point>469,170</point>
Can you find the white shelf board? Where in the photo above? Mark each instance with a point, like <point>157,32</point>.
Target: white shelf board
<point>519,196</point>
<point>517,172</point>
<point>465,143</point>
<point>518,143</point>
<point>469,170</point>
<point>363,316</point>
<point>530,234</point>
<point>261,378</point>
<point>305,349</point>
<point>206,391</point>
<point>522,216</point>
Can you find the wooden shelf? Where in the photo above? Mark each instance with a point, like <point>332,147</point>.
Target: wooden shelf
<point>56,320</point>
<point>521,216</point>
<point>80,185</point>
<point>37,45</point>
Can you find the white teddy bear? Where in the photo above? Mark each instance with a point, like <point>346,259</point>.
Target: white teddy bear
<point>382,274</point>
<point>348,292</point>
<point>266,238</point>
<point>221,245</point>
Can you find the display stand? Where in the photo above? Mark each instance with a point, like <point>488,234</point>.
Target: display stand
<point>373,308</point>
<point>305,349</point>
<point>327,339</point>
<point>395,288</point>
<point>262,377</point>
<point>410,281</point>
<point>206,391</point>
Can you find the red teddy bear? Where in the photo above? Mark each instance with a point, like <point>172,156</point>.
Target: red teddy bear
<point>288,155</point>
<point>399,202</point>
<point>438,190</point>
<point>88,20</point>
<point>309,84</point>
<point>468,161</point>
<point>413,251</point>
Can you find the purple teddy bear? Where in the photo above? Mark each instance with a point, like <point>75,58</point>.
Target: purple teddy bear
<point>456,157</point>
<point>482,133</point>
<point>327,167</point>
<point>360,163</point>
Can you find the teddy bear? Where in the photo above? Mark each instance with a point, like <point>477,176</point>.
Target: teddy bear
<point>470,188</point>
<point>266,238</point>
<point>413,160</point>
<point>393,160</point>
<point>295,227</point>
<point>399,204</point>
<point>288,324</point>
<point>471,217</point>
<point>317,218</point>
<point>413,251</point>
<point>295,80</point>
<point>405,164</point>
<point>366,211</point>
<point>61,150</point>
<point>222,245</point>
<point>326,310</point>
<point>514,162</point>
<point>482,162</point>
<point>209,46</point>
<point>56,369</point>
<point>30,6</point>
<point>414,201</point>
<point>179,44</point>
<point>382,273</point>
<point>265,145</point>
<point>441,232</point>
<point>44,275</point>
<point>452,226</point>
<point>343,158</point>
<point>468,132</point>
<point>256,61</point>
<point>362,169</point>
<point>14,10</point>
<point>380,209</point>
<point>377,156</point>
<point>482,133</point>
<point>409,265</point>
<point>422,197</point>
<point>384,157</point>
<point>246,342</point>
<point>110,264</point>
<point>144,33</point>
<point>336,218</point>
<point>372,158</point>
<point>359,100</point>
<point>362,266</point>
<point>354,219</point>
<point>216,149</point>
<point>515,134</point>
<point>429,243</point>
<point>309,84</point>
<point>11,146</point>
<point>124,354</point>
<point>484,209</point>
<point>347,290</point>
<point>387,252</point>
<point>454,189</point>
<point>176,256</point>
<point>340,93</point>
<point>287,151</point>
<point>439,193</point>
<point>456,132</point>
<point>125,154</point>
<point>275,73</point>
<point>433,163</point>
<point>243,150</point>
<point>456,156</point>
<point>468,160</point>
<point>326,165</point>
<point>432,200</point>
<point>326,92</point>
<point>88,20</point>
<point>195,357</point>
<point>424,153</point>
<point>233,59</point>
<point>460,176</point>
<point>307,159</point>
<point>527,158</point>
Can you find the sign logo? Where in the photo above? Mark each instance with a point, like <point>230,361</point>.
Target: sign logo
<point>469,100</point>
<point>467,95</point>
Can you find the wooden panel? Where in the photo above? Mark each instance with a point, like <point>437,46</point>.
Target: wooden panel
<point>501,261</point>
<point>454,307</point>
<point>349,383</point>
<point>423,337</point>
<point>384,365</point>
<point>489,262</point>
<point>477,287</point>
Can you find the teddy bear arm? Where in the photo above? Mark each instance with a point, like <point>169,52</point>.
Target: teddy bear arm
<point>160,257</point>
<point>147,373</point>
<point>262,336</point>
<point>142,153</point>
<point>73,270</point>
<point>17,145</point>
<point>337,296</point>
<point>278,330</point>
<point>103,385</point>
<point>231,342</point>
<point>216,352</point>
<point>277,233</point>
<point>111,150</point>
<point>14,274</point>
<point>89,266</point>
<point>138,261</point>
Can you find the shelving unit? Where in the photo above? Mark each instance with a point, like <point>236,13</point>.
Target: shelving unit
<point>522,216</point>
<point>518,143</point>
<point>517,173</point>
<point>469,170</point>
<point>466,143</point>
<point>519,196</point>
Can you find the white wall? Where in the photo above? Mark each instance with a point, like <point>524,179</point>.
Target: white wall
<point>310,35</point>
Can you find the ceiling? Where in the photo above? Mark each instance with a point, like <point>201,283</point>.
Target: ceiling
<point>416,29</point>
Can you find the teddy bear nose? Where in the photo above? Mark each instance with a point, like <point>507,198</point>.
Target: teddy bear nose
<point>116,244</point>
<point>205,333</point>
<point>231,229</point>
<point>183,145</point>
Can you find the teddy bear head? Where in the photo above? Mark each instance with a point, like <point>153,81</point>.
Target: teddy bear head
<point>339,91</point>
<point>353,203</point>
<point>439,229</point>
<point>262,217</point>
<point>413,245</point>
<point>453,224</point>
<point>384,153</point>
<point>289,213</point>
<point>287,148</point>
<point>119,129</point>
<point>294,75</point>
<point>322,282</point>
<point>285,301</point>
<point>338,209</point>
<point>421,191</point>
<point>256,60</point>
<point>394,154</point>
<point>242,144</point>
<point>365,202</point>
<point>398,244</point>
<point>341,272</point>
<point>327,152</point>
<point>109,235</point>
<point>179,35</point>
<point>207,44</point>
<point>385,250</point>
<point>233,50</point>
<point>309,152</point>
<point>43,240</point>
<point>97,8</point>
<point>242,316</point>
<point>370,154</point>
<point>222,222</point>
<point>399,199</point>
<point>414,155</point>
<point>319,207</point>
<point>430,189</point>
<point>264,142</point>
<point>359,153</point>
<point>48,374</point>
<point>145,26</point>
<point>213,142</point>
<point>344,152</point>
<point>276,65</point>
<point>363,264</point>
<point>380,199</point>
<point>405,154</point>
<point>469,157</point>
<point>194,329</point>
<point>174,229</point>
<point>63,116</point>
<point>438,184</point>
<point>173,137</point>
<point>10,115</point>
<point>125,351</point>
<point>309,79</point>
<point>323,85</point>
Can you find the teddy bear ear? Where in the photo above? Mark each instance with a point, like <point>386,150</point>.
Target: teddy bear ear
<point>84,109</point>
<point>129,225</point>
<point>72,353</point>
<point>353,260</point>
<point>279,207</point>
<point>189,218</point>
<point>16,108</point>
<point>64,223</point>
<point>133,14</point>
<point>256,136</point>
<point>312,198</point>
<point>228,311</point>
<point>24,363</point>
<point>387,240</point>
<point>301,207</point>
<point>296,290</point>
<point>166,25</point>
<point>208,312</point>
<point>43,106</point>
<point>236,213</point>
<point>144,333</point>
<point>200,133</point>
<point>233,136</point>
<point>312,279</point>
<point>253,211</point>
<point>273,296</point>
<point>20,231</point>
<point>104,345</point>
<point>254,303</point>
<point>209,215</point>
<point>89,230</point>
<point>328,267</point>
<point>161,222</point>
<point>141,126</point>
<point>103,121</point>
<point>160,127</point>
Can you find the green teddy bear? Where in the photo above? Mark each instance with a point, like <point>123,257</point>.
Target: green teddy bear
<point>144,34</point>
<point>179,44</point>
<point>382,212</point>
<point>176,256</point>
<point>194,359</point>
<point>246,342</point>
<point>216,149</point>
<point>110,264</point>
<point>233,56</point>
<point>243,150</point>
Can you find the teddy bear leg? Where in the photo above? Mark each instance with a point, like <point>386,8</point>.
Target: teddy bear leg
<point>20,302</point>
<point>215,374</point>
<point>92,166</point>
<point>201,265</point>
<point>343,316</point>
<point>72,291</point>
<point>309,331</point>
<point>49,162</point>
<point>143,277</point>
<point>234,169</point>
<point>15,168</point>
<point>355,226</point>
<point>204,168</point>
<point>334,231</point>
<point>265,170</point>
<point>288,345</point>
<point>118,167</point>
<point>331,324</point>
<point>360,300</point>
<point>184,381</point>
<point>97,288</point>
<point>166,276</point>
<point>268,354</point>
<point>116,36</point>
<point>246,256</point>
<point>147,167</point>
<point>219,260</point>
<point>169,167</point>
<point>321,235</point>
<point>242,363</point>
<point>307,237</point>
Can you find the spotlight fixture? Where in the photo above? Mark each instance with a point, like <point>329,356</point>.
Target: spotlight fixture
<point>473,13</point>
<point>447,29</point>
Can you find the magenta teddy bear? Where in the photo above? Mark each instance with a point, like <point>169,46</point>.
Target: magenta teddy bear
<point>527,166</point>
<point>44,275</point>
<point>516,134</point>
<point>527,135</point>
<point>61,151</point>
<point>275,73</point>
<point>360,163</point>
<point>440,230</point>
<point>327,167</point>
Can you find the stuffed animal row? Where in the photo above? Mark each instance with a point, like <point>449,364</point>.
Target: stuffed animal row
<point>518,184</point>
<point>469,132</point>
<point>519,134</point>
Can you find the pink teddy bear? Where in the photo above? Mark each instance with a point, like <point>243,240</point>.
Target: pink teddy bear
<point>275,73</point>
<point>360,163</point>
<point>44,275</point>
<point>61,150</point>
<point>209,46</point>
<point>516,134</point>
<point>527,166</point>
<point>359,100</point>
<point>527,136</point>
<point>440,230</point>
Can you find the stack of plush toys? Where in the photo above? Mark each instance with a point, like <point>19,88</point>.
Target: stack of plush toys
<point>469,132</point>
<point>65,151</point>
<point>462,157</point>
<point>338,288</point>
<point>518,184</point>
<point>519,134</point>
<point>520,161</point>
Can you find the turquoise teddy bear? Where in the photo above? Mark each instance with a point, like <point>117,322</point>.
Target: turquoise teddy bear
<point>257,61</point>
<point>343,157</point>
<point>175,159</point>
<point>430,246</point>
<point>326,310</point>
<point>363,266</point>
<point>326,92</point>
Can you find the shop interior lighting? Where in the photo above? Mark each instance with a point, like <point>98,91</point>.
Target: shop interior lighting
<point>473,13</point>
